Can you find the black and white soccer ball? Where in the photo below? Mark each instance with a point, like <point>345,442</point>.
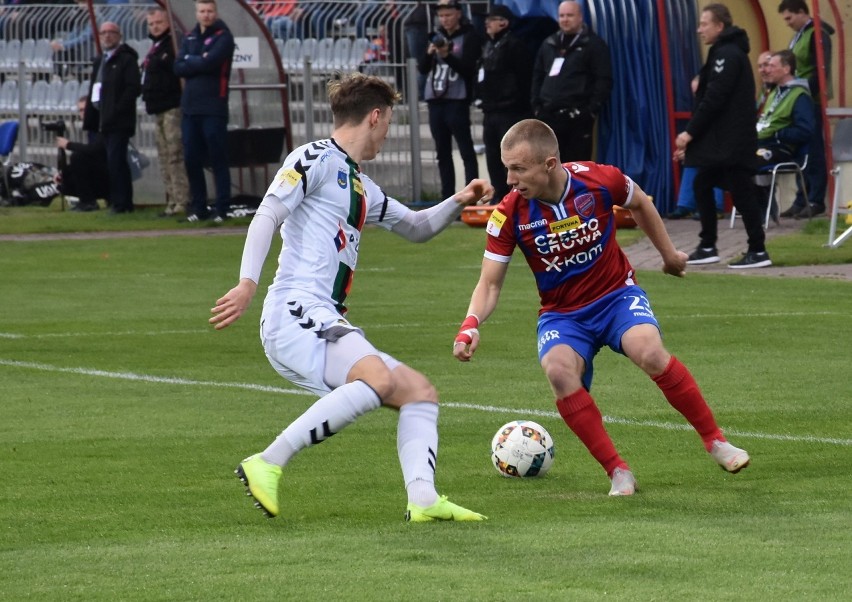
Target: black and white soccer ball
<point>522,448</point>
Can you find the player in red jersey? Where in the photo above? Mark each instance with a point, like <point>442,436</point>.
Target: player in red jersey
<point>561,217</point>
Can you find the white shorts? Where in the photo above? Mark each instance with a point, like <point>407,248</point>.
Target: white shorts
<point>313,346</point>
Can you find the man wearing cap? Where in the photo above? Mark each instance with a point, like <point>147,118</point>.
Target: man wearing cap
<point>572,80</point>
<point>502,84</point>
<point>450,68</point>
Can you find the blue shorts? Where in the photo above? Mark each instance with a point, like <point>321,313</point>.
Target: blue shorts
<point>601,323</point>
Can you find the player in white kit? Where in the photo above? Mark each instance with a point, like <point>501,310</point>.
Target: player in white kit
<point>323,202</point>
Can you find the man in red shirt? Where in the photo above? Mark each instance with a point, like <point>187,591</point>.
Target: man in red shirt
<point>561,217</point>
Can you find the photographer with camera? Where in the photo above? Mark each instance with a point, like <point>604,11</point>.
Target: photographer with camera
<point>86,174</point>
<point>450,67</point>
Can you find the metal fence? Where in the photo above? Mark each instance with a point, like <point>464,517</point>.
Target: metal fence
<point>45,62</point>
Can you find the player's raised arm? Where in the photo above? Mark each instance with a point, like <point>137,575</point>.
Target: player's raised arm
<point>483,301</point>
<point>649,220</point>
<point>266,222</point>
<point>423,225</point>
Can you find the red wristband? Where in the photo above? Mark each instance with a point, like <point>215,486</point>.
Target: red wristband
<point>467,330</point>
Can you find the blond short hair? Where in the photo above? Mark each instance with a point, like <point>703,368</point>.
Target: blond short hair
<point>537,134</point>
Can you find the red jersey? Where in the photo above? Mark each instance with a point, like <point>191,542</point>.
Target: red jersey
<point>570,246</point>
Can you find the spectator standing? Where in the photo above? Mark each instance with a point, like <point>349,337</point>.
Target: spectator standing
<point>561,217</point>
<point>111,110</point>
<point>204,61</point>
<point>571,82</point>
<point>320,201</point>
<point>450,67</point>
<point>686,206</point>
<point>720,138</point>
<point>502,84</point>
<point>787,120</point>
<point>85,173</point>
<point>797,16</point>
<point>416,31</point>
<point>161,91</point>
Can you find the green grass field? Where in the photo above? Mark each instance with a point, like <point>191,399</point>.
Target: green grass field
<point>123,416</point>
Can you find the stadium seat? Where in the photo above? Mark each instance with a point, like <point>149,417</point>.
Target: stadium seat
<point>27,53</point>
<point>43,56</point>
<point>70,94</point>
<point>308,49</point>
<point>341,55</point>
<point>356,55</point>
<point>291,58</point>
<point>325,55</point>
<point>841,152</point>
<point>53,102</point>
<point>9,95</point>
<point>38,96</point>
<point>11,55</point>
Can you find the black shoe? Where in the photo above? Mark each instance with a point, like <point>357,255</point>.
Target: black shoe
<point>792,211</point>
<point>752,260</point>
<point>701,256</point>
<point>679,213</point>
<point>811,211</point>
<point>84,208</point>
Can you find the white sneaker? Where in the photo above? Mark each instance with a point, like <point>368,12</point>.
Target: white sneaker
<point>732,459</point>
<point>623,482</point>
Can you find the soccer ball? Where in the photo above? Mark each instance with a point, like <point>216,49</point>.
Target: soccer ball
<point>522,448</point>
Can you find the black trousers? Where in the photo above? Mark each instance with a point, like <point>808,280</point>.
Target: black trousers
<point>573,132</point>
<point>736,179</point>
<point>495,124</point>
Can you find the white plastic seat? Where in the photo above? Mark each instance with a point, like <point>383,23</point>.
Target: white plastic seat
<point>27,53</point>
<point>841,153</point>
<point>341,54</point>
<point>70,94</point>
<point>9,95</point>
<point>356,54</point>
<point>12,55</point>
<point>308,49</point>
<point>797,168</point>
<point>38,96</point>
<point>325,55</point>
<point>291,59</point>
<point>53,102</point>
<point>43,56</point>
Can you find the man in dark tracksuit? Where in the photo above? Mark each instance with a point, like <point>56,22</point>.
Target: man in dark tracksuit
<point>721,137</point>
<point>572,80</point>
<point>204,61</point>
<point>111,110</point>
<point>502,86</point>
<point>450,67</point>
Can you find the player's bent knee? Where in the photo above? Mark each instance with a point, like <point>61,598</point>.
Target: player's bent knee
<point>373,371</point>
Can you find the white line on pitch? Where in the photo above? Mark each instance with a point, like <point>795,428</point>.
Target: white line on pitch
<point>463,406</point>
<point>125,333</point>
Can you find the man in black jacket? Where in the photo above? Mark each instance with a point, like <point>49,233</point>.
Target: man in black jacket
<point>502,82</point>
<point>161,91</point>
<point>721,137</point>
<point>111,110</point>
<point>450,67</point>
<point>572,80</point>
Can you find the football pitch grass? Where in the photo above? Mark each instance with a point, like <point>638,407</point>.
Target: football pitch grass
<point>123,415</point>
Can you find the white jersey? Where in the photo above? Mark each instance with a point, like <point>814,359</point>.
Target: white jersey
<point>329,201</point>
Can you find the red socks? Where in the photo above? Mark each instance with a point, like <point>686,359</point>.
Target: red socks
<point>582,416</point>
<point>683,394</point>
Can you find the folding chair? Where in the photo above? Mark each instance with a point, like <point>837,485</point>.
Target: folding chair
<point>796,167</point>
<point>8,139</point>
<point>841,151</point>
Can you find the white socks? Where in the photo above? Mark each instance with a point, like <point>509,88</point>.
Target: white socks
<point>417,446</point>
<point>328,415</point>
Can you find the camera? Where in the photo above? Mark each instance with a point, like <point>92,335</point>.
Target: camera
<point>438,40</point>
<point>57,127</point>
